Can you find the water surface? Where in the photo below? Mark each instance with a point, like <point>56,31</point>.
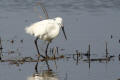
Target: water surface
<point>86,22</point>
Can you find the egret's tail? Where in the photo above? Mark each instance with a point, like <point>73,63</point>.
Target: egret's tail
<point>29,30</point>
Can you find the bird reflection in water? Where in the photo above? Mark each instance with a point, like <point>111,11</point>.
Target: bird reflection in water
<point>44,74</point>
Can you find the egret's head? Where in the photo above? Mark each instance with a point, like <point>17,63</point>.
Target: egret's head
<point>59,21</point>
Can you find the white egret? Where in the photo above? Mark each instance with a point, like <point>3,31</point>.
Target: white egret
<point>46,30</point>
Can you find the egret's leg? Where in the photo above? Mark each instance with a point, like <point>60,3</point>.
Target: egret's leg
<point>37,47</point>
<point>47,49</point>
<point>48,66</point>
<point>36,67</point>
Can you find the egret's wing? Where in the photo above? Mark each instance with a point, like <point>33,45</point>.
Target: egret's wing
<point>36,29</point>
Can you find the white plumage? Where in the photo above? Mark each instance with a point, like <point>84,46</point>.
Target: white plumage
<point>44,75</point>
<point>46,30</point>
<point>41,77</point>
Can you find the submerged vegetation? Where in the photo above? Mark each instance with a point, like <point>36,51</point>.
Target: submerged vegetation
<point>55,53</point>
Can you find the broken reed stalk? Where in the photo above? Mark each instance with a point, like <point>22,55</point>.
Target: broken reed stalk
<point>89,51</point>
<point>119,57</point>
<point>77,56</point>
<point>99,59</point>
<point>89,55</point>
<point>44,10</point>
<point>0,48</point>
<point>29,59</point>
<point>106,50</point>
<point>0,43</point>
<point>35,9</point>
<point>54,56</point>
<point>50,50</point>
<point>73,55</point>
<point>54,52</point>
<point>57,50</point>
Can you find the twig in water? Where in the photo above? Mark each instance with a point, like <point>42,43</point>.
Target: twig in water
<point>106,49</point>
<point>0,49</point>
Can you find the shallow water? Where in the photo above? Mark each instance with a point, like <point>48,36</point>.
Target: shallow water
<point>86,22</point>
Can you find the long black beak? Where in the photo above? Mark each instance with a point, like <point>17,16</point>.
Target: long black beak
<point>64,32</point>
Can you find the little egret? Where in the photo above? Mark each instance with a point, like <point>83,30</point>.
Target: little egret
<point>46,30</point>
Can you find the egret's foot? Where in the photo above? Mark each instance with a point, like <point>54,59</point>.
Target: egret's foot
<point>39,55</point>
<point>47,57</point>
